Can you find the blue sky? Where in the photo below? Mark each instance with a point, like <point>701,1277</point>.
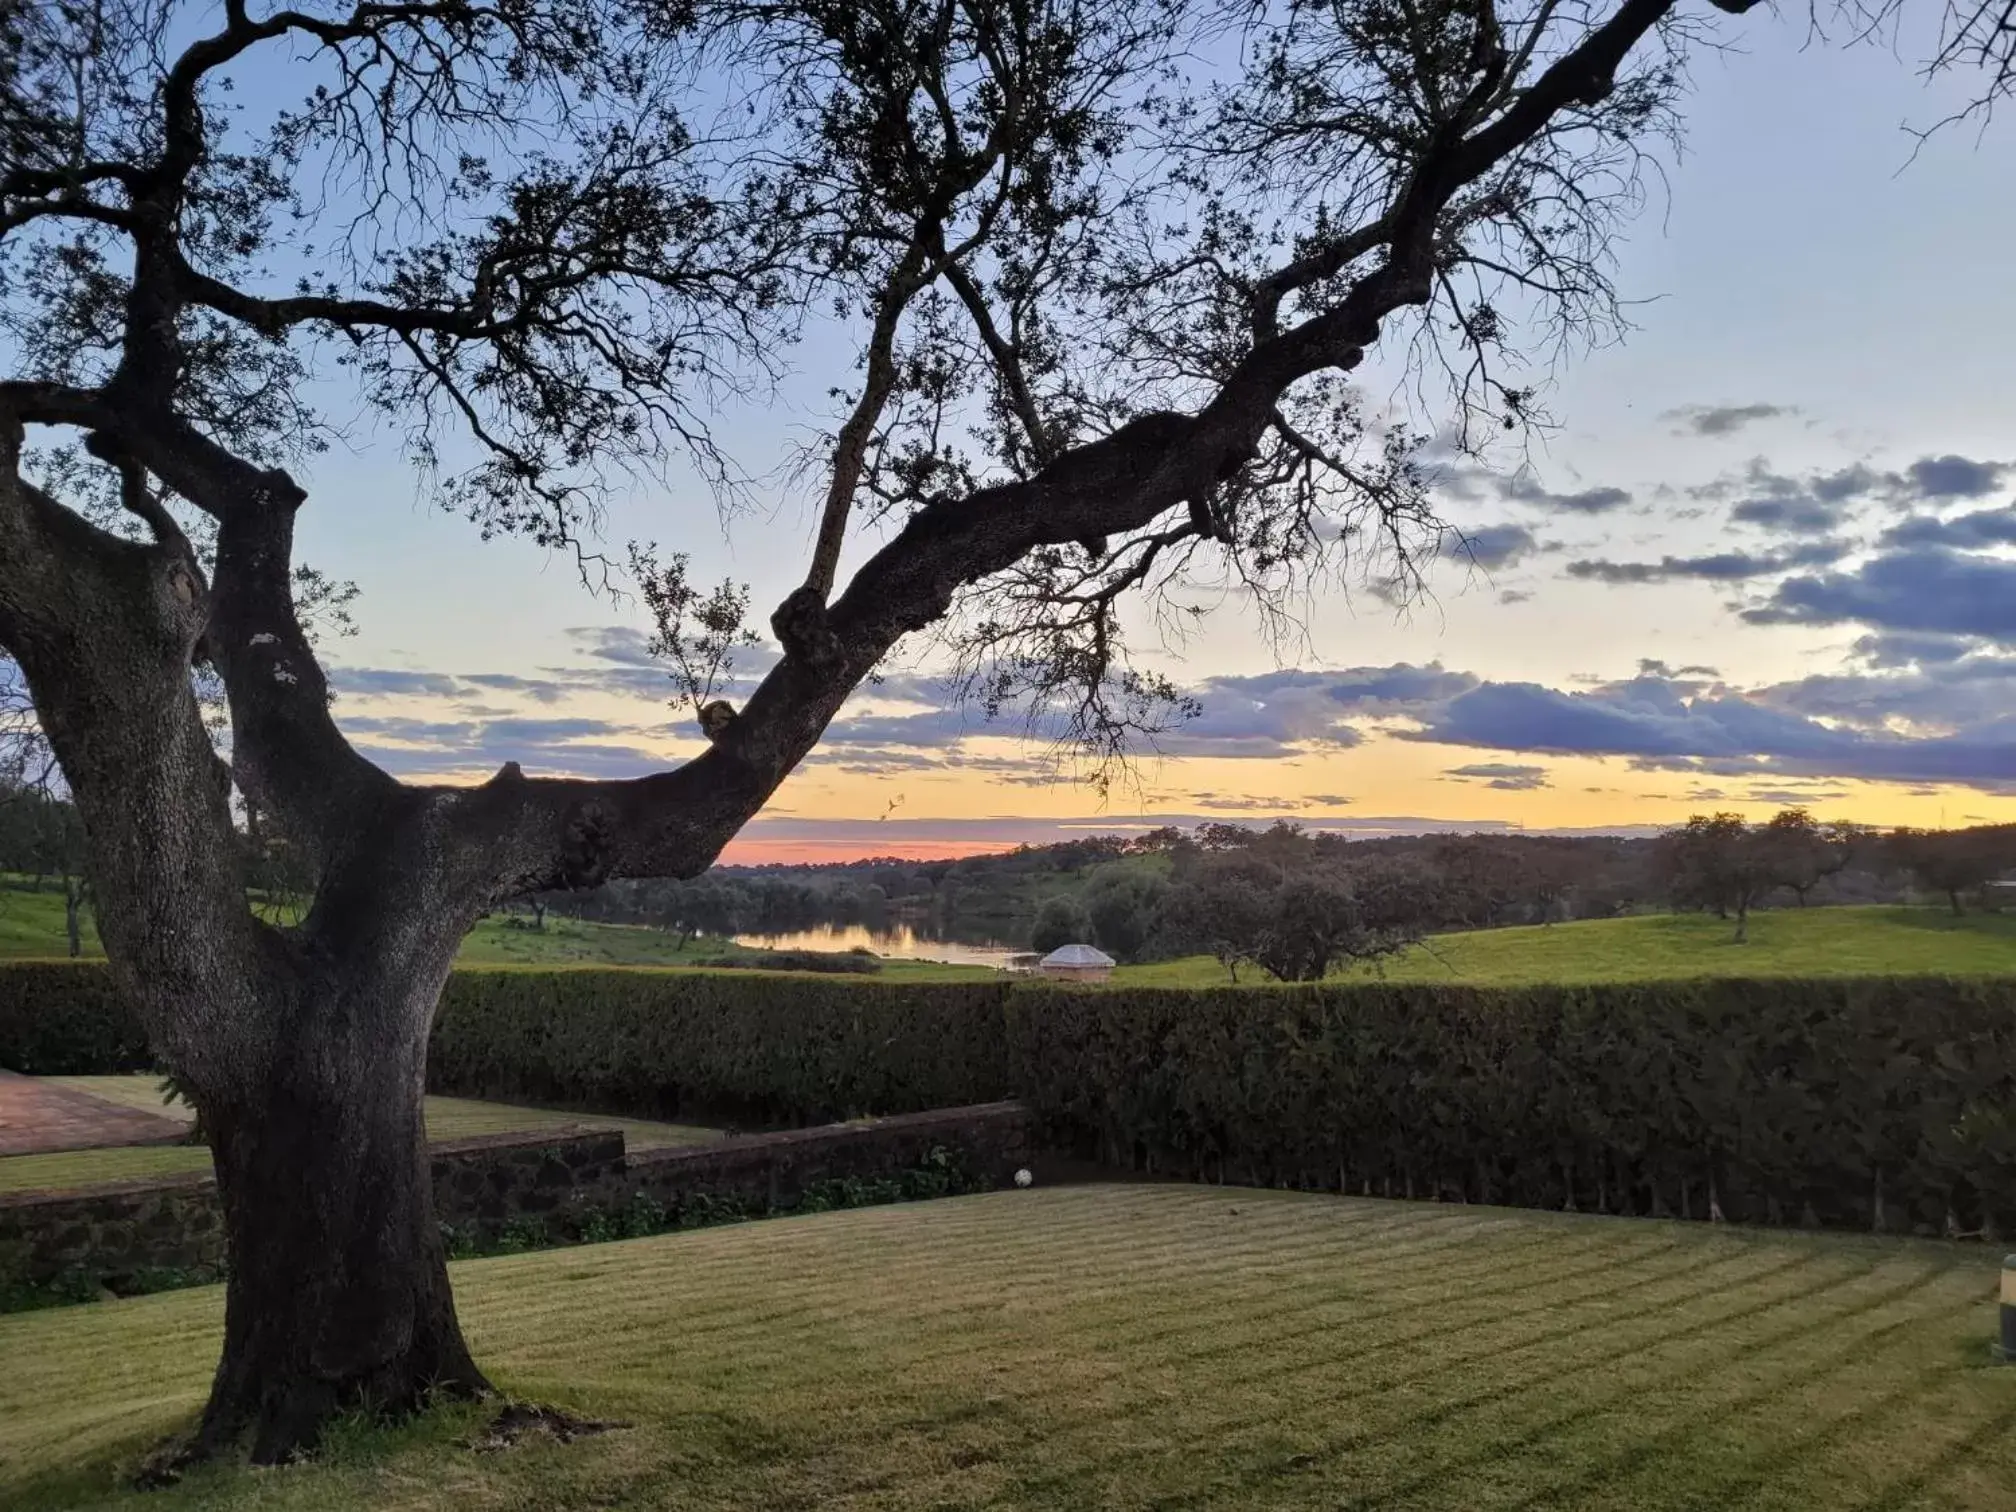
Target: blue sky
<point>1769,555</point>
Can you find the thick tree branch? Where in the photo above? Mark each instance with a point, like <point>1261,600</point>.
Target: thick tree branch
<point>287,754</point>
<point>674,823</point>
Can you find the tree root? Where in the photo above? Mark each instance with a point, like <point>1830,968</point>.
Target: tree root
<point>518,1421</point>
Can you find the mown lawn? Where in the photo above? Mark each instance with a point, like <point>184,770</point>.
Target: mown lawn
<point>447,1118</point>
<point>1783,942</point>
<point>1127,1348</point>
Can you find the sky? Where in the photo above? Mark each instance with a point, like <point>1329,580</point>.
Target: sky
<point>1766,557</point>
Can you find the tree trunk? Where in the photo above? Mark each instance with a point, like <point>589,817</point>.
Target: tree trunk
<point>338,1295</point>
<point>1953,897</point>
<point>1742,923</point>
<point>72,927</point>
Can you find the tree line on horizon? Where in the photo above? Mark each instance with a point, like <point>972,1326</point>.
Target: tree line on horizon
<point>1294,902</point>
<point>1291,902</point>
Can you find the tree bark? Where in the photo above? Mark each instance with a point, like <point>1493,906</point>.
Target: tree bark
<point>338,1296</point>
<point>71,925</point>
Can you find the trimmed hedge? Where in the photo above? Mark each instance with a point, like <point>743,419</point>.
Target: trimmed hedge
<point>1868,1103</point>
<point>65,1018</point>
<point>767,1049</point>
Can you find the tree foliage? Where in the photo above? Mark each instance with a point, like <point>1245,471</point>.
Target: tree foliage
<point>1059,922</point>
<point>1954,863</point>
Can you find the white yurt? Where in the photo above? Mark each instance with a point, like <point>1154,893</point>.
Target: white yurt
<point>1077,963</point>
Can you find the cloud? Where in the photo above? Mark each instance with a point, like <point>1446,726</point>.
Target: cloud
<point>1396,689</point>
<point>1964,693</point>
<point>1721,567</point>
<point>1921,589</point>
<point>388,682</point>
<point>1982,528</point>
<point>1524,489</point>
<point>1649,666</point>
<point>1797,506</point>
<point>564,747</point>
<point>1819,501</point>
<point>1722,419</point>
<point>1905,649</point>
<point>623,644</point>
<point>1951,477</point>
<point>1506,776</point>
<point>1490,546</point>
<point>1662,726</point>
<point>539,689</point>
<point>1252,803</point>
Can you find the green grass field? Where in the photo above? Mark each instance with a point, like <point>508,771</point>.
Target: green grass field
<point>1783,942</point>
<point>1126,1348</point>
<point>447,1118</point>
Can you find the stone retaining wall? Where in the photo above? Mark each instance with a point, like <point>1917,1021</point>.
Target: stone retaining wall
<point>117,1232</point>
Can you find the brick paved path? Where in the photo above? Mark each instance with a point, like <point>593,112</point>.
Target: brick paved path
<point>37,1116</point>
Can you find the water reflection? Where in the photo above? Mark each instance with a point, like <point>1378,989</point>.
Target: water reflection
<point>898,942</point>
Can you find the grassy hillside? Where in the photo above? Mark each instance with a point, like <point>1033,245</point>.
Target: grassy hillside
<point>1783,942</point>
<point>1210,1349</point>
<point>31,927</point>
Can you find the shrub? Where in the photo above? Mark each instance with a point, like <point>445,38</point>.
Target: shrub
<point>1875,1103</point>
<point>759,1048</point>
<point>59,1018</point>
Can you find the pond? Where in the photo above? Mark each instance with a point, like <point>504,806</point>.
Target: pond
<point>899,942</point>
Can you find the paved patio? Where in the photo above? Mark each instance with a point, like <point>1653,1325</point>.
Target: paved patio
<point>38,1116</point>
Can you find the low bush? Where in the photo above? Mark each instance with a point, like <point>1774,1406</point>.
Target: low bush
<point>63,1018</point>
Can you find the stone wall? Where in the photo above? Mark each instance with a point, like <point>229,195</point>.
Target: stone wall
<point>481,1184</point>
<point>990,1140</point>
<point>116,1233</point>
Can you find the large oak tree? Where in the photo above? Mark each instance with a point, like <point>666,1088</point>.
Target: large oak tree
<point>1104,318</point>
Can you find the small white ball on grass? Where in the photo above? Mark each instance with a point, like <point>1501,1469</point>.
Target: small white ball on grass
<point>1023,1177</point>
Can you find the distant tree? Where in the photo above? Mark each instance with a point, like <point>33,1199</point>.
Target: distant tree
<point>710,906</point>
<point>1166,840</point>
<point>1216,835</point>
<point>1326,916</point>
<point>1717,861</point>
<point>1060,921</point>
<point>1479,876</point>
<point>1221,907</point>
<point>1954,863</point>
<point>1125,909</point>
<point>1549,871</point>
<point>1299,924</point>
<point>1804,852</point>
